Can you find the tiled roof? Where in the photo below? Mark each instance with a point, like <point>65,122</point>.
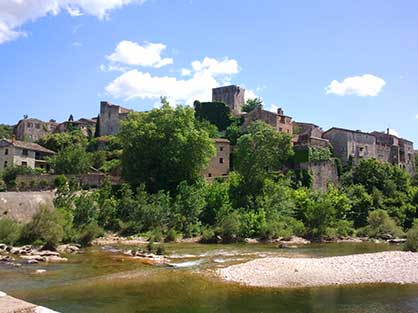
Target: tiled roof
<point>28,146</point>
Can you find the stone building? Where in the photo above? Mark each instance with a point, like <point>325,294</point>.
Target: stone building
<point>351,144</point>
<point>110,117</point>
<point>279,121</point>
<point>233,96</point>
<point>219,165</point>
<point>21,153</point>
<point>86,125</point>
<point>32,129</point>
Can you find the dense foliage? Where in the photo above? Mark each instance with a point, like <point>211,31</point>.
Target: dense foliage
<point>252,104</point>
<point>6,131</point>
<point>217,113</point>
<point>163,147</point>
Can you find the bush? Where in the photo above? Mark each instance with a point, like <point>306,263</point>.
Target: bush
<point>172,236</point>
<point>208,235</point>
<point>9,231</point>
<point>381,225</point>
<point>88,233</point>
<point>156,235</point>
<point>60,181</point>
<point>229,228</point>
<point>45,228</point>
<point>412,238</point>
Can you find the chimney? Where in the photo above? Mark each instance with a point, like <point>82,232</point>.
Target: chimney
<point>388,131</point>
<point>280,111</point>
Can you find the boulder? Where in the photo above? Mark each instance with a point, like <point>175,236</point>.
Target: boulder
<point>68,248</point>
<point>55,259</point>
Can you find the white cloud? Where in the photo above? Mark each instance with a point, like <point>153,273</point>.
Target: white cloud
<point>132,53</point>
<point>186,72</point>
<point>417,116</point>
<point>15,13</point>
<point>363,86</point>
<point>204,76</point>
<point>394,132</point>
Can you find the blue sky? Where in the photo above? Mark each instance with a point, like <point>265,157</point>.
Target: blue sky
<point>351,64</point>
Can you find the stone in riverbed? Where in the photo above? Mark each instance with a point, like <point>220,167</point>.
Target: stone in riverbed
<point>55,259</point>
<point>68,248</point>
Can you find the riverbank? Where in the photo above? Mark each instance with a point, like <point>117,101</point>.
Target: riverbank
<point>392,267</point>
<point>12,305</point>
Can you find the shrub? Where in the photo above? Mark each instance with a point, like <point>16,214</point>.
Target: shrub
<point>229,228</point>
<point>45,228</point>
<point>208,235</point>
<point>9,231</point>
<point>88,233</point>
<point>156,235</point>
<point>411,243</point>
<point>60,181</point>
<point>381,225</point>
<point>172,236</point>
<point>160,250</point>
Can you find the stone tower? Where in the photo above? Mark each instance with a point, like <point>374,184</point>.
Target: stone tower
<point>232,96</point>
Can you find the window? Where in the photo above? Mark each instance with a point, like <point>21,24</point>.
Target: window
<point>221,148</point>
<point>24,164</point>
<point>221,160</point>
<point>6,152</point>
<point>37,126</point>
<point>5,164</point>
<point>280,129</point>
<point>209,174</point>
<point>25,152</point>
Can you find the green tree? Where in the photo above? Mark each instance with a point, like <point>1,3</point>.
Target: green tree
<point>163,147</point>
<point>71,160</point>
<point>260,152</point>
<point>61,141</point>
<point>6,131</point>
<point>252,104</point>
<point>217,113</point>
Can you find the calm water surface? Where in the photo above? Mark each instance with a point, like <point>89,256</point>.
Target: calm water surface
<point>102,280</point>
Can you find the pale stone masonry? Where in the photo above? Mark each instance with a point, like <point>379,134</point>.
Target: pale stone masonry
<point>233,96</point>
<point>110,118</point>
<point>32,129</point>
<point>279,121</point>
<point>20,153</point>
<point>219,165</point>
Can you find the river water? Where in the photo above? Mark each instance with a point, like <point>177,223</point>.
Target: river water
<point>103,280</point>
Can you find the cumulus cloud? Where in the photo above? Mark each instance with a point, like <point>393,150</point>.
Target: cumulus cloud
<point>204,75</point>
<point>132,53</point>
<point>15,13</point>
<point>417,116</point>
<point>363,86</point>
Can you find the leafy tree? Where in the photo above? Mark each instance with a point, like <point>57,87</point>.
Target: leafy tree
<point>361,204</point>
<point>217,113</point>
<point>61,141</point>
<point>163,147</point>
<point>252,104</point>
<point>6,131</point>
<point>71,160</point>
<point>381,225</point>
<point>9,231</point>
<point>412,238</point>
<point>259,153</point>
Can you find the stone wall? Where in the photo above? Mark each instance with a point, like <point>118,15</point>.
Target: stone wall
<point>219,165</point>
<point>22,206</point>
<point>323,172</point>
<point>110,117</point>
<point>233,96</point>
<point>32,129</point>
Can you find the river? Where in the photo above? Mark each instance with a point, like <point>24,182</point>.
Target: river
<point>103,280</point>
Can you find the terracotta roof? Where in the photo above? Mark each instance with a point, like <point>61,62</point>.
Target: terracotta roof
<point>28,146</point>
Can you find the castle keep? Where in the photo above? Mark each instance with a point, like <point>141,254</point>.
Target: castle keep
<point>233,96</point>
<point>110,117</point>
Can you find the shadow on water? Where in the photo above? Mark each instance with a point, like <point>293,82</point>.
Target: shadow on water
<point>105,282</point>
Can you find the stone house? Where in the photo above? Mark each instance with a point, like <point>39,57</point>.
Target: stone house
<point>279,121</point>
<point>110,117</point>
<point>21,153</point>
<point>219,165</point>
<point>86,125</point>
<point>233,96</point>
<point>351,144</point>
<point>32,129</point>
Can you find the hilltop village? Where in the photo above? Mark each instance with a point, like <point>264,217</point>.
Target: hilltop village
<point>318,152</point>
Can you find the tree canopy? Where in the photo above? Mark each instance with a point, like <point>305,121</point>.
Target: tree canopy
<point>252,104</point>
<point>217,113</point>
<point>163,147</point>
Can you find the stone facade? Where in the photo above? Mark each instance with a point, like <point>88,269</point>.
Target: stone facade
<point>324,173</point>
<point>20,153</point>
<point>219,165</point>
<point>32,129</point>
<point>350,144</point>
<point>86,125</point>
<point>379,145</point>
<point>233,96</point>
<point>279,121</point>
<point>110,117</point>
